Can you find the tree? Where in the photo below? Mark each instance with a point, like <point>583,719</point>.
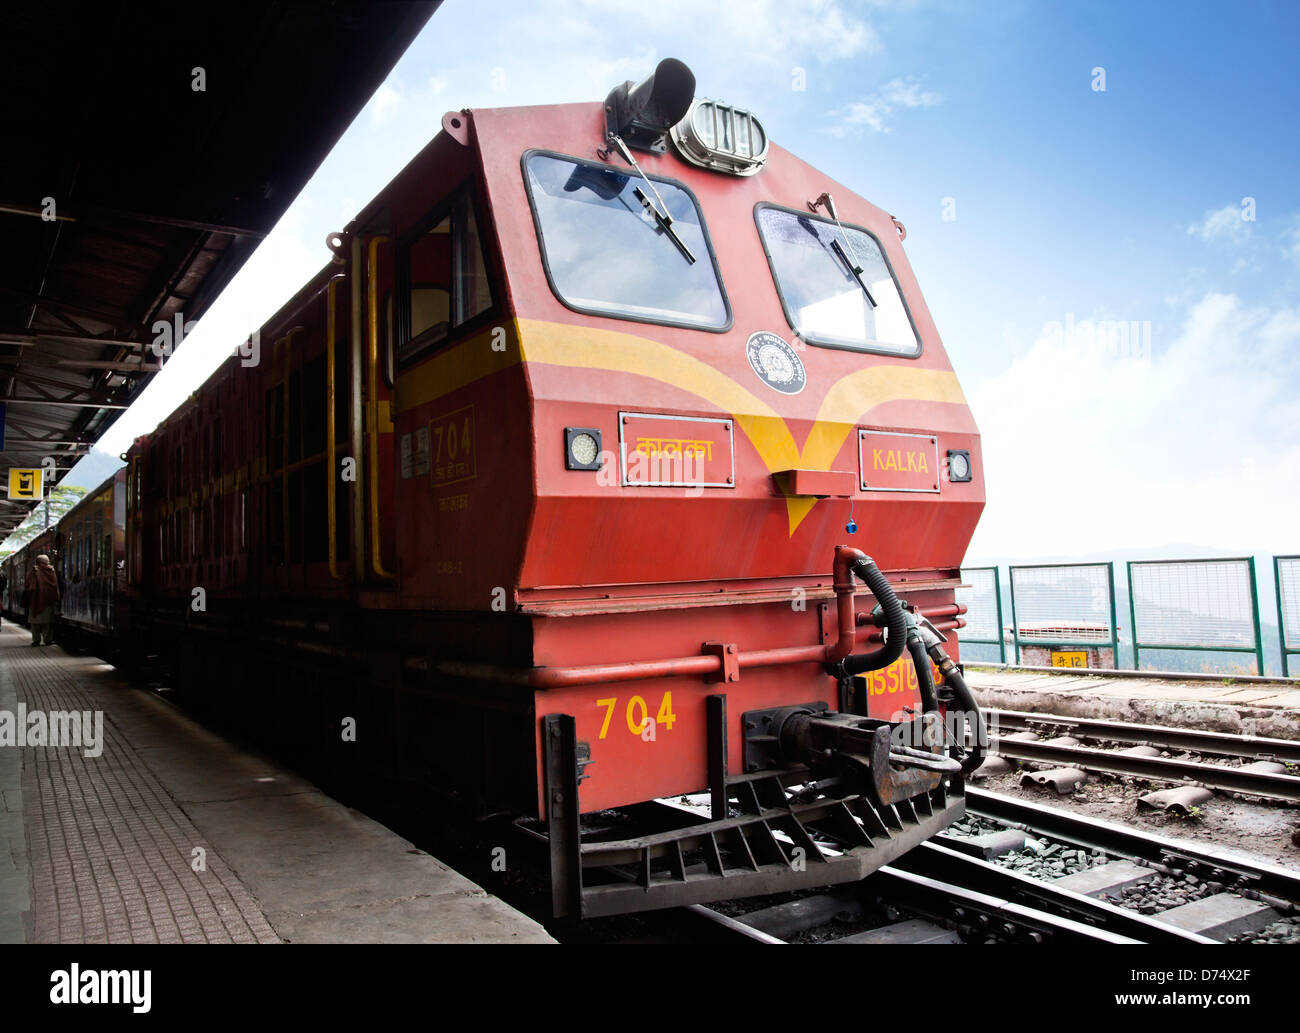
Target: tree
<point>59,501</point>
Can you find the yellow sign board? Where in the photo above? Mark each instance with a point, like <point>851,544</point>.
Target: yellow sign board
<point>1069,658</point>
<point>26,484</point>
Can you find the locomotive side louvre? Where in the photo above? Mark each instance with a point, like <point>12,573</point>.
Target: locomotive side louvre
<point>383,519</point>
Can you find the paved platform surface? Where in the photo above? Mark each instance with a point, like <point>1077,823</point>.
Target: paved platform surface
<point>170,834</point>
<point>1263,708</point>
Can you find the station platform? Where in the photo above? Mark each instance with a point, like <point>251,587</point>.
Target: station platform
<point>1242,706</point>
<point>167,833</point>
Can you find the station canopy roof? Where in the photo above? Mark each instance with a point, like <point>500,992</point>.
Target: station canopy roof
<point>160,190</point>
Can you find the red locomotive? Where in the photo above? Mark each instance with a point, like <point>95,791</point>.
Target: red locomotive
<point>544,493</point>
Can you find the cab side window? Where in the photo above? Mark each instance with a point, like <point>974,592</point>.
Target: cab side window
<point>443,278</point>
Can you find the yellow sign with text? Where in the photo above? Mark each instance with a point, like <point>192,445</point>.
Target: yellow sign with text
<point>1069,658</point>
<point>26,484</point>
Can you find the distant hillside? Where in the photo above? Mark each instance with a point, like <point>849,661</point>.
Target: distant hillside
<point>94,468</point>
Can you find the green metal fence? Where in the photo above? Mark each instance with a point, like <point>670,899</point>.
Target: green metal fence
<point>1064,605</point>
<point>982,597</point>
<point>1286,578</point>
<point>1199,605</point>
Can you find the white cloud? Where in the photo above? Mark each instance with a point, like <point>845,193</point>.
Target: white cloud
<point>737,50</point>
<point>772,31</point>
<point>1291,241</point>
<point>384,104</point>
<point>1086,452</point>
<point>872,112</point>
<point>1225,223</point>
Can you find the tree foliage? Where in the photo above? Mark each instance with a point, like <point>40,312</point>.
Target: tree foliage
<point>59,501</point>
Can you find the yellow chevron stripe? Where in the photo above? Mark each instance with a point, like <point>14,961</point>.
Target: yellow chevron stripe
<point>848,400</point>
<point>456,367</point>
<point>559,344</point>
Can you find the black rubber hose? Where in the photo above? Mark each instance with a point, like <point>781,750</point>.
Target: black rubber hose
<point>921,661</point>
<point>966,701</point>
<point>895,621</point>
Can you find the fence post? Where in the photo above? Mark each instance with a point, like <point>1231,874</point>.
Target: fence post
<point>1015,629</point>
<point>1114,616</point>
<point>1002,638</point>
<point>1281,620</point>
<point>1254,616</point>
<point>1132,615</point>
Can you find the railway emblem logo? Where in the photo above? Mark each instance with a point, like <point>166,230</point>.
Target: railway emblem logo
<point>776,363</point>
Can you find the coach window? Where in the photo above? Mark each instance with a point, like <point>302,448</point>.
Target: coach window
<point>443,279</point>
<point>836,285</point>
<point>607,250</point>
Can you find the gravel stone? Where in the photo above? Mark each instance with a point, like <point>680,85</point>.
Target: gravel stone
<point>1160,894</point>
<point>1285,931</point>
<point>973,825</point>
<point>1043,859</point>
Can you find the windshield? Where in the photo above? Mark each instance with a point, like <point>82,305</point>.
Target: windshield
<point>824,301</point>
<point>606,252</point>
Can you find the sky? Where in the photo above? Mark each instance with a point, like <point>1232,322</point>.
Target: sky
<point>1102,203</point>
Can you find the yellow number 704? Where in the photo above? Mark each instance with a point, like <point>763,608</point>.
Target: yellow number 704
<point>638,713</point>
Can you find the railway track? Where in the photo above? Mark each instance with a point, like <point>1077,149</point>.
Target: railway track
<point>1219,744</point>
<point>1138,846</point>
<point>939,892</point>
<point>1265,773</point>
<point>948,902</point>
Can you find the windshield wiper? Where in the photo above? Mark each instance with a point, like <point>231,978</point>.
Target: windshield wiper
<point>856,270</point>
<point>659,210</point>
<point>665,223</point>
<point>851,263</point>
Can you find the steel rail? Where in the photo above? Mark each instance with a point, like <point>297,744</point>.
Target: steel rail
<point>1213,776</point>
<point>947,902</point>
<point>1111,672</point>
<point>1081,830</point>
<point>940,861</point>
<point>731,925</point>
<point>1222,744</point>
<point>983,909</point>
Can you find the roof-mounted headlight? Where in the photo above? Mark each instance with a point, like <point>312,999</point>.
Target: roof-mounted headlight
<point>722,138</point>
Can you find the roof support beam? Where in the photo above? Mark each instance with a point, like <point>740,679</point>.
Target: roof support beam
<point>97,213</point>
<point>137,366</point>
<point>31,338</point>
<point>58,306</point>
<point>64,404</point>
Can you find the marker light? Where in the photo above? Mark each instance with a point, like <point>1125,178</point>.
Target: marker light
<point>581,448</point>
<point>958,465</point>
